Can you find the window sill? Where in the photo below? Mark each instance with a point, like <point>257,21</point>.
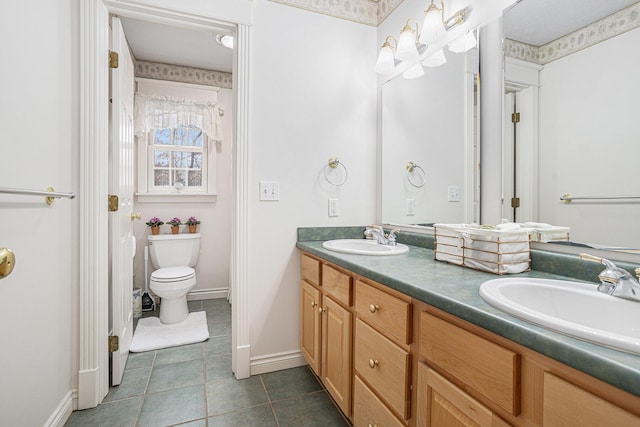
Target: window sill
<point>176,198</point>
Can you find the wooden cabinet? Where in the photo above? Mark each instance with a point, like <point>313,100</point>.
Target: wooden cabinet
<point>390,360</point>
<point>326,327</point>
<point>440,403</point>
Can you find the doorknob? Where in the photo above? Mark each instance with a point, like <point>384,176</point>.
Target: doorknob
<point>7,262</point>
<point>135,216</point>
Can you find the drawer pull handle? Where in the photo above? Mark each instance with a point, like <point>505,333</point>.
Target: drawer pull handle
<point>373,363</point>
<point>374,307</point>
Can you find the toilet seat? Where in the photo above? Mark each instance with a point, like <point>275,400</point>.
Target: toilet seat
<point>173,274</point>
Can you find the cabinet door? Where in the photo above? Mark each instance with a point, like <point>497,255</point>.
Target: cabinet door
<point>440,403</point>
<point>310,322</point>
<point>336,353</point>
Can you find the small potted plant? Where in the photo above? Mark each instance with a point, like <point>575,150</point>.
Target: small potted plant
<point>192,222</point>
<point>175,224</point>
<point>155,224</point>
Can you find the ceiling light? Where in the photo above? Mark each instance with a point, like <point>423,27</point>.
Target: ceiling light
<point>435,60</point>
<point>413,72</point>
<point>407,49</point>
<point>433,28</point>
<point>225,40</point>
<point>463,43</point>
<point>385,63</point>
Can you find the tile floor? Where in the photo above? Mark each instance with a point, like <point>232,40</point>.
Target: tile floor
<point>193,386</point>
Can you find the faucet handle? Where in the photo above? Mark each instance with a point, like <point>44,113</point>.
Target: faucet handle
<point>638,273</point>
<point>589,257</point>
<point>392,236</point>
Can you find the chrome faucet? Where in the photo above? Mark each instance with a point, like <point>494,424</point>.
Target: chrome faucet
<point>616,281</point>
<point>377,232</point>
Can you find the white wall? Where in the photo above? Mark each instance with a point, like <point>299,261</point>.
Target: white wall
<point>590,141</point>
<point>39,301</point>
<point>215,245</point>
<point>312,96</point>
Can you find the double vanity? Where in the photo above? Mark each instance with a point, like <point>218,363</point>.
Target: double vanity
<point>403,340</point>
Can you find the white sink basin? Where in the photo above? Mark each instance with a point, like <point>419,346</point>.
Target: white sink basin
<point>364,247</point>
<point>573,308</point>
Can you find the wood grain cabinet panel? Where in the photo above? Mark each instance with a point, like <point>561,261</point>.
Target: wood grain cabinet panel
<point>310,268</point>
<point>384,366</point>
<point>336,352</point>
<point>441,403</point>
<point>568,405</point>
<point>337,284</point>
<point>386,312</point>
<point>486,367</point>
<point>310,323</point>
<point>368,410</point>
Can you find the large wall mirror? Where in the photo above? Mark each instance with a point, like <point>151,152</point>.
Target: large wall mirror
<point>430,145</point>
<point>571,71</point>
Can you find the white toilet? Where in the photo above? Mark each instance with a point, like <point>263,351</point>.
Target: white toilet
<point>173,255</point>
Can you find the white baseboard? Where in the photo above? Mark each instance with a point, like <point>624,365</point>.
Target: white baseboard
<point>201,294</point>
<point>276,362</point>
<point>64,410</point>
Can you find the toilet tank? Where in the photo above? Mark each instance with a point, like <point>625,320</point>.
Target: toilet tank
<point>174,250</point>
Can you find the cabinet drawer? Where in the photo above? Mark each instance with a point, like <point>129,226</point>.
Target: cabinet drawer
<point>384,366</point>
<point>567,404</point>
<point>483,366</point>
<point>368,410</point>
<point>386,312</point>
<point>310,269</point>
<point>337,284</point>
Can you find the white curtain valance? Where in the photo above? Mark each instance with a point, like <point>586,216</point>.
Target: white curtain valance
<point>160,112</point>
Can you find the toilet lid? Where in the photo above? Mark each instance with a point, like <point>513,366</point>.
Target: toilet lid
<point>173,273</point>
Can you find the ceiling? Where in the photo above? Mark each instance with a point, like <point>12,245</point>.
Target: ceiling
<point>150,41</point>
<point>537,22</point>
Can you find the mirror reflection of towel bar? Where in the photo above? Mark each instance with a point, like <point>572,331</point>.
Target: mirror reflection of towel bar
<point>568,198</point>
<point>49,195</point>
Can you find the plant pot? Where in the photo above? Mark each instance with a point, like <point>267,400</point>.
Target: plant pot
<point>155,230</point>
<point>192,228</point>
<point>174,229</point>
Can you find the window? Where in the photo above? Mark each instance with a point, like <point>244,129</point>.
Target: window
<point>177,145</point>
<point>178,158</point>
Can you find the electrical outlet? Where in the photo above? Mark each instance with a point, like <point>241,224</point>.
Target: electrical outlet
<point>411,207</point>
<point>453,193</point>
<point>269,190</point>
<point>334,207</point>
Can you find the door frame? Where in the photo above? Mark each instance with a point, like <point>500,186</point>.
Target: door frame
<point>93,300</point>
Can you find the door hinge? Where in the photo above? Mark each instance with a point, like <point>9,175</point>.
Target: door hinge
<point>515,118</point>
<point>515,202</point>
<point>113,203</point>
<point>114,343</point>
<point>113,59</point>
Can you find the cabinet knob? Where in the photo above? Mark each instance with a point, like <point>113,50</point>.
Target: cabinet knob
<point>374,307</point>
<point>321,309</point>
<point>373,363</point>
<point>372,425</point>
<point>313,303</point>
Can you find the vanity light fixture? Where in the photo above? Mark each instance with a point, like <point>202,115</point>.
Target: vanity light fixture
<point>225,40</point>
<point>385,63</point>
<point>407,49</point>
<point>413,72</point>
<point>435,26</point>
<point>435,60</point>
<point>463,43</point>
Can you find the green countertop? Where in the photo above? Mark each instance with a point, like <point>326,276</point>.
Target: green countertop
<point>454,289</point>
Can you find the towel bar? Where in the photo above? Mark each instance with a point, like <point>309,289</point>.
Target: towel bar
<point>49,195</point>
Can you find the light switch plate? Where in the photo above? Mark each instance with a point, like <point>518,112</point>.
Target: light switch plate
<point>411,207</point>
<point>334,208</point>
<point>269,190</point>
<point>453,193</point>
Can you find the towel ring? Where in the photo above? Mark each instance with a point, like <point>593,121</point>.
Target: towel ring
<point>334,163</point>
<point>411,170</point>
